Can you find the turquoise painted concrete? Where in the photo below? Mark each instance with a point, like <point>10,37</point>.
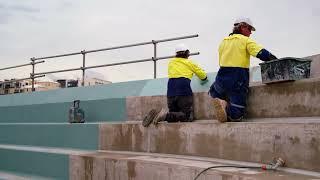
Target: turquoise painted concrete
<point>114,90</point>
<point>105,110</point>
<point>159,86</point>
<point>40,119</point>
<point>108,91</point>
<point>51,112</point>
<point>95,111</point>
<point>35,163</point>
<point>78,136</point>
<point>100,103</point>
<point>19,175</point>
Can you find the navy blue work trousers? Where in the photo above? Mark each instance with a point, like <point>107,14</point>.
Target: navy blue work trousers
<point>232,85</point>
<point>180,109</point>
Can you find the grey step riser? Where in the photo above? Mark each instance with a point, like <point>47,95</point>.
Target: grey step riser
<point>298,144</point>
<point>290,99</point>
<point>108,168</point>
<point>88,168</point>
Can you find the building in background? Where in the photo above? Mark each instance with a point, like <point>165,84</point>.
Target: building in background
<point>95,81</point>
<point>51,82</point>
<point>68,83</point>
<point>26,86</point>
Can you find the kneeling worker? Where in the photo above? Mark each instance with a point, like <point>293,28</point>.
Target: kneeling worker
<point>179,92</point>
<point>231,86</point>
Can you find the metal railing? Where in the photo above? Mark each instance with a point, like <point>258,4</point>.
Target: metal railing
<point>83,68</point>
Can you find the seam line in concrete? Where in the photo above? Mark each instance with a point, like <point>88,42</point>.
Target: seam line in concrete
<point>66,151</point>
<point>222,161</point>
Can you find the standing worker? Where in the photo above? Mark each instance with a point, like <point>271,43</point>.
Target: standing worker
<point>231,86</point>
<point>179,92</point>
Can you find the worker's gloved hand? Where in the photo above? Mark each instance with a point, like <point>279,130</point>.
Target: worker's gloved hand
<point>272,57</point>
<point>265,55</point>
<point>203,82</point>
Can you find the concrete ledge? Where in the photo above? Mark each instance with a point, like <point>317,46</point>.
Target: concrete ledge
<point>122,166</point>
<point>288,99</point>
<point>297,143</point>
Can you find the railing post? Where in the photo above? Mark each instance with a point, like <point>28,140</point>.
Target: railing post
<point>154,59</point>
<point>83,66</point>
<point>32,74</point>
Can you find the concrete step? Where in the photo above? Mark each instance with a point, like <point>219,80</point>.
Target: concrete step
<point>30,162</point>
<point>288,99</point>
<point>110,165</point>
<point>297,140</point>
<point>64,135</point>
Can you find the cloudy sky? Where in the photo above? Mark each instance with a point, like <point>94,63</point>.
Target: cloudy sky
<point>37,28</point>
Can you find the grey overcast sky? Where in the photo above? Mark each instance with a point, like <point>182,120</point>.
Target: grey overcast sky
<point>36,28</point>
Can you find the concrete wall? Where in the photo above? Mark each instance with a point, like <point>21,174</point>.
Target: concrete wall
<point>315,65</point>
<point>101,103</point>
<point>297,143</point>
<point>288,99</point>
<point>113,166</point>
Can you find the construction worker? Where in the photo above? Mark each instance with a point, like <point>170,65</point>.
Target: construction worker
<point>179,92</point>
<point>230,89</point>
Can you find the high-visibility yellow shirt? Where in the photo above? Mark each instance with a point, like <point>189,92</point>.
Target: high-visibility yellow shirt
<point>235,51</point>
<point>181,67</point>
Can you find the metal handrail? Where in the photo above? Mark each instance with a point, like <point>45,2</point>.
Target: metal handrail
<point>58,71</point>
<point>32,77</point>
<point>113,64</point>
<point>35,60</point>
<point>136,61</point>
<point>22,65</point>
<point>117,47</point>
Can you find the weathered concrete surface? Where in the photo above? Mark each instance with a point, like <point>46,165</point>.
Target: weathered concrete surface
<point>288,99</point>
<point>315,65</point>
<point>113,166</point>
<point>138,107</point>
<point>297,143</point>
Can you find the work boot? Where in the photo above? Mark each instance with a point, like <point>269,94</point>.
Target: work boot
<point>235,120</point>
<point>219,106</point>
<point>149,117</point>
<point>161,116</point>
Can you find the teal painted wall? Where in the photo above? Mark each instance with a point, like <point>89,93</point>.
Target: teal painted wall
<point>100,103</point>
<point>40,164</point>
<point>95,111</point>
<point>79,136</point>
<point>108,91</point>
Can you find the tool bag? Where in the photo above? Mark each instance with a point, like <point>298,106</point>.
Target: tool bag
<point>76,114</point>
